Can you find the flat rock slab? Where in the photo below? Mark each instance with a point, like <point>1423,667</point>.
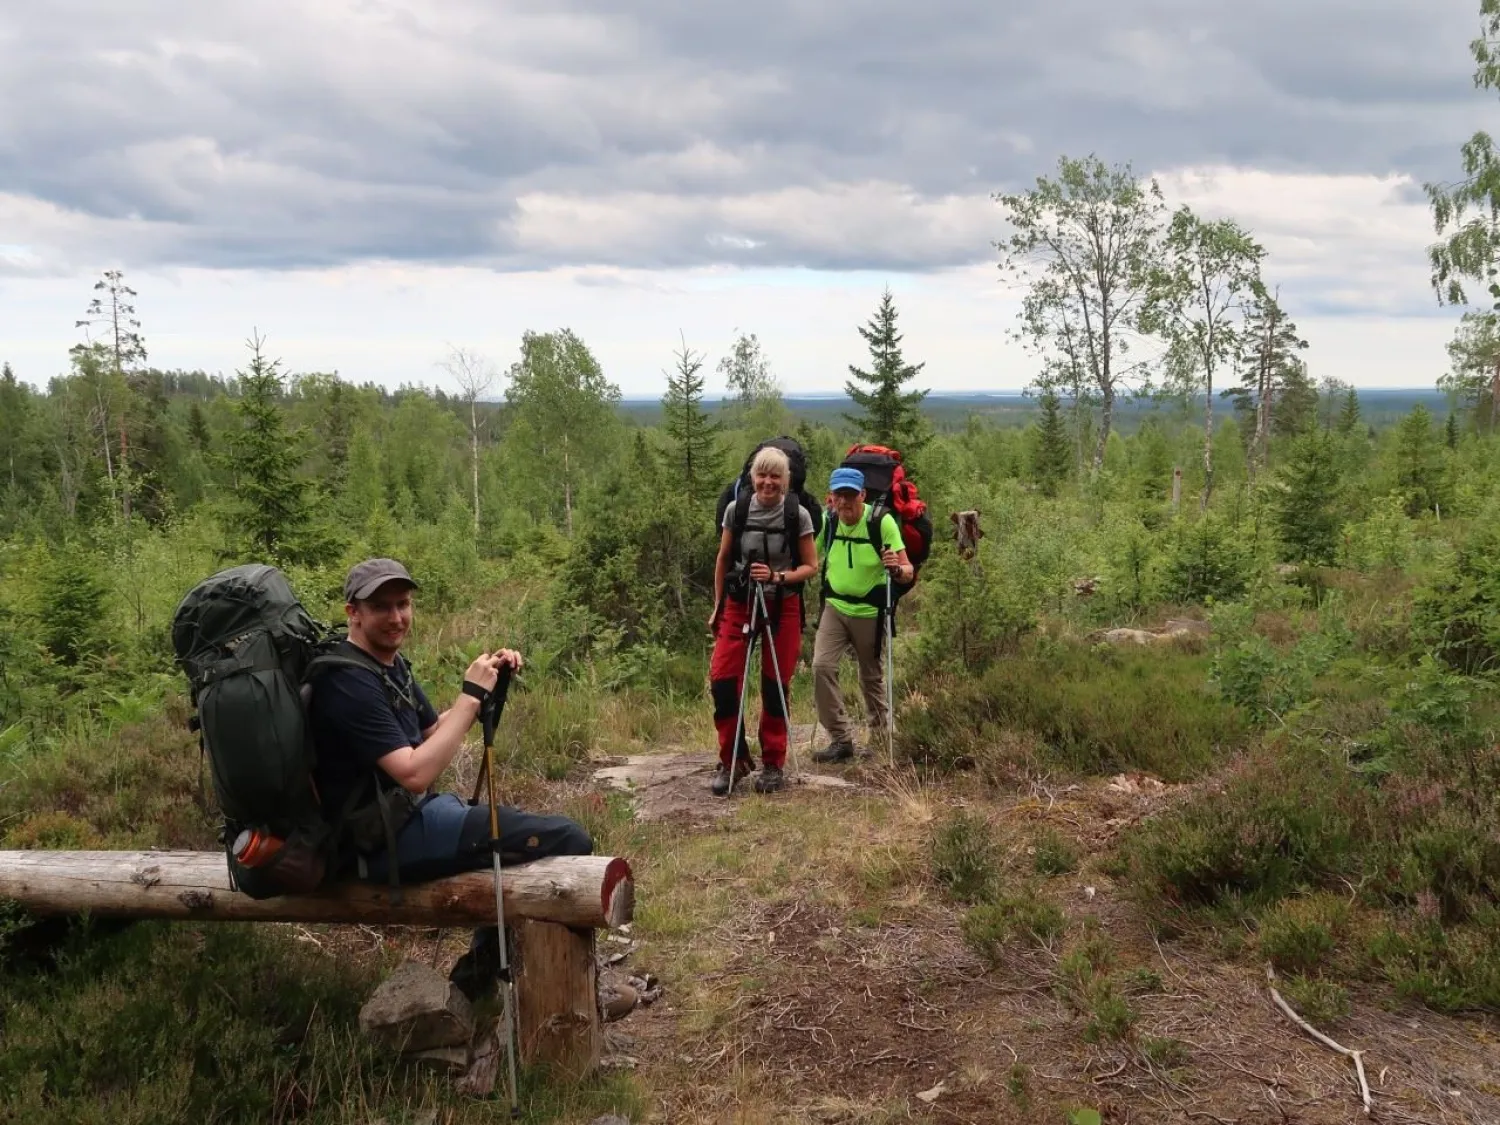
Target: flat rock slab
<point>417,1009</point>
<point>664,785</point>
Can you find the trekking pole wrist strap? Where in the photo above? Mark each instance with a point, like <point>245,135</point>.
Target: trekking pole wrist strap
<point>479,693</point>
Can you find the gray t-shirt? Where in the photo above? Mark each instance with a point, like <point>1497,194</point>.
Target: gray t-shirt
<point>765,533</point>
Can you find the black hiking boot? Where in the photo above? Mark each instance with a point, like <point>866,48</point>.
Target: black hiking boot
<point>719,787</point>
<point>834,752</point>
<point>477,972</point>
<point>770,780</point>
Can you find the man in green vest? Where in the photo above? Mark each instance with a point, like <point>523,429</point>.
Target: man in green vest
<point>853,615</point>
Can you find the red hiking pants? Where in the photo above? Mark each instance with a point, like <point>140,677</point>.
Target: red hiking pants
<point>727,669</point>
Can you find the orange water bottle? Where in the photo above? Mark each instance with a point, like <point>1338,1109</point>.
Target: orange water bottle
<point>254,848</point>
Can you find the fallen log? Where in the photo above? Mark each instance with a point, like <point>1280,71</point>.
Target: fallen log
<point>582,892</point>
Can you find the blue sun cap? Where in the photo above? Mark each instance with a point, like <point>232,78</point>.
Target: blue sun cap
<point>845,477</point>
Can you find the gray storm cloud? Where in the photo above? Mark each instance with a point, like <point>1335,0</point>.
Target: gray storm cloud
<point>855,134</point>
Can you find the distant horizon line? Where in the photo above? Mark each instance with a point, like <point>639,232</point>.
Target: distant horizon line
<point>1001,393</point>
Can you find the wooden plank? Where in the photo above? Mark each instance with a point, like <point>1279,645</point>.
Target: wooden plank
<point>579,891</point>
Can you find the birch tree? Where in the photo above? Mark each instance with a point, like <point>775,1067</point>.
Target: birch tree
<point>1084,244</point>
<point>475,375</point>
<point>1197,304</point>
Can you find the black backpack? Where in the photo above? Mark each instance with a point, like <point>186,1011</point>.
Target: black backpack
<point>250,652</point>
<point>739,492</point>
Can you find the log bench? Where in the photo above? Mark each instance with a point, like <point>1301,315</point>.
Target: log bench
<point>553,907</point>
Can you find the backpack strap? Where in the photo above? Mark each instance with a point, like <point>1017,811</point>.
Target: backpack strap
<point>878,511</point>
<point>350,655</point>
<point>792,530</point>
<point>874,597</point>
<point>738,521</point>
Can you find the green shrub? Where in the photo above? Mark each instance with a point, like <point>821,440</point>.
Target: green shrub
<point>72,608</point>
<point>965,860</point>
<point>1093,711</point>
<point>1281,824</point>
<point>1111,1015</point>
<point>1053,855</point>
<point>52,830</point>
<point>1297,935</point>
<point>1027,919</point>
<point>1315,999</point>
<point>1458,613</point>
<point>1164,1052</point>
<point>1450,968</point>
<point>1206,560</point>
<point>1085,983</point>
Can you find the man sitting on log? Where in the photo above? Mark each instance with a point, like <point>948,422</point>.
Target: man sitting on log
<point>374,728</point>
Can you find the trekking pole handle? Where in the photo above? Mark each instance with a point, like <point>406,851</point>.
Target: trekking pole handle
<point>494,703</point>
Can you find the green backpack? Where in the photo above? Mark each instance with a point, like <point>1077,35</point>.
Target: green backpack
<point>250,651</point>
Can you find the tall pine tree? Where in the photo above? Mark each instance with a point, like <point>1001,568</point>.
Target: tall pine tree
<point>890,416</point>
<point>1271,371</point>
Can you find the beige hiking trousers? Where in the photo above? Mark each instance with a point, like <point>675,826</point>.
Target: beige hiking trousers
<point>838,635</point>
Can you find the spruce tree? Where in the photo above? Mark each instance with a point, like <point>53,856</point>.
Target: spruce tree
<point>1306,500</point>
<point>263,458</point>
<point>1051,449</point>
<point>73,606</point>
<point>691,456</point>
<point>1349,416</point>
<point>1450,430</point>
<point>889,415</point>
<point>1296,407</point>
<point>198,428</point>
<point>1419,468</point>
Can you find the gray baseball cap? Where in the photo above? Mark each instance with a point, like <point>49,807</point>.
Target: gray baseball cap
<point>367,577</point>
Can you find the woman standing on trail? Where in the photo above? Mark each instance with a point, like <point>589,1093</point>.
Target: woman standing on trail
<point>766,542</point>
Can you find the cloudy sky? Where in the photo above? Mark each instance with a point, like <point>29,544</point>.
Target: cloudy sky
<point>368,182</point>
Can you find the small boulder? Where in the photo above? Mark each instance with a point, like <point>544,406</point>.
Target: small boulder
<point>1129,637</point>
<point>417,1009</point>
<point>617,1000</point>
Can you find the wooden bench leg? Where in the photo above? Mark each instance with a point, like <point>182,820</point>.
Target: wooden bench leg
<point>557,997</point>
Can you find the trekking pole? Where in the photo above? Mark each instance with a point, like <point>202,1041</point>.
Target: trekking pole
<point>739,720</point>
<point>489,714</point>
<point>890,672</point>
<point>770,643</point>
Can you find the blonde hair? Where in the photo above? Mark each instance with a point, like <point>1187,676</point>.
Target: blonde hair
<point>774,461</point>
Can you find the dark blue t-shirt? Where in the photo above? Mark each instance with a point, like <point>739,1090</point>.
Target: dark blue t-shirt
<point>354,725</point>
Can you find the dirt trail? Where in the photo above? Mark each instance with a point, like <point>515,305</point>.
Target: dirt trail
<point>829,1016</point>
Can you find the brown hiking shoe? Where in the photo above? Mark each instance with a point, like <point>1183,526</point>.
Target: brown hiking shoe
<point>834,752</point>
